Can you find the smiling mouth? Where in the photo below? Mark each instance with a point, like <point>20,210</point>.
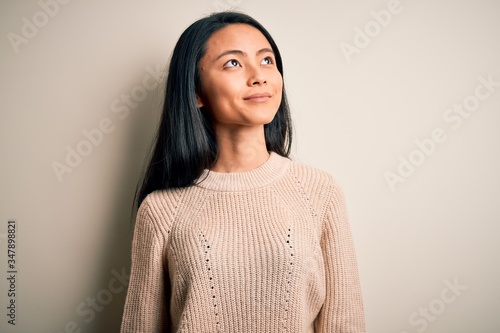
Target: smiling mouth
<point>260,97</point>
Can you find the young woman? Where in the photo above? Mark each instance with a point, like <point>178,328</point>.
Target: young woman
<point>231,235</point>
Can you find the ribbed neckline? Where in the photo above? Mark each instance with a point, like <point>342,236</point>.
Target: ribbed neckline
<point>272,169</point>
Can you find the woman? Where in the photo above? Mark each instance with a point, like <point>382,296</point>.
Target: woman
<point>231,235</point>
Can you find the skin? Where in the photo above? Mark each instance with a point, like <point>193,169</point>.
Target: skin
<point>239,63</point>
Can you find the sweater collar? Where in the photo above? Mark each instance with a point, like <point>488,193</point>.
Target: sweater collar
<point>271,170</point>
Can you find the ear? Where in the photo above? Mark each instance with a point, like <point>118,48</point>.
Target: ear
<point>199,101</point>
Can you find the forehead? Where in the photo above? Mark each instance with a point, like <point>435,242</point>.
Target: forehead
<point>238,36</point>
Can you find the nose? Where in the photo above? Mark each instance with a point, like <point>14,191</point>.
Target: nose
<point>256,76</point>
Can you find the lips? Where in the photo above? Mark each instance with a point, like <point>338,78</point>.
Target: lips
<point>258,97</point>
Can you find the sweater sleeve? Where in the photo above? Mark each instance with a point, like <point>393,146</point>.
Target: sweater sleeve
<point>342,311</point>
<point>146,308</point>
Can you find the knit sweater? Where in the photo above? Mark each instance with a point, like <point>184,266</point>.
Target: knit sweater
<point>265,250</point>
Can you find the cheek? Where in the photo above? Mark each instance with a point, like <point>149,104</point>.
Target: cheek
<point>218,90</point>
<point>278,85</point>
<point>278,82</point>
<point>219,96</point>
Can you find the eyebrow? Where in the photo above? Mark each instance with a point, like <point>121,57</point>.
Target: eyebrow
<point>239,52</point>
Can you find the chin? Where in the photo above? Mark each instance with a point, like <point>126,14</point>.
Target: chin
<point>265,119</point>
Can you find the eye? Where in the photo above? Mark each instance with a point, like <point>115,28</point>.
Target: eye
<point>267,61</point>
<point>232,63</point>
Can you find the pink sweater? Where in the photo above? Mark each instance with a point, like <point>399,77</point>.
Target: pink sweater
<point>266,250</point>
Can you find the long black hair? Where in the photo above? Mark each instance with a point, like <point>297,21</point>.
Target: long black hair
<point>185,142</point>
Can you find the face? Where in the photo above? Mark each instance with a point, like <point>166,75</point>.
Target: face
<point>241,83</point>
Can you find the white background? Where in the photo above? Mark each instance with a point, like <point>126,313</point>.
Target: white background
<point>356,116</point>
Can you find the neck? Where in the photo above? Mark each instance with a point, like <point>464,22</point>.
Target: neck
<point>240,150</point>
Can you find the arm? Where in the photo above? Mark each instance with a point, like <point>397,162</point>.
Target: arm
<point>146,308</point>
<point>342,311</point>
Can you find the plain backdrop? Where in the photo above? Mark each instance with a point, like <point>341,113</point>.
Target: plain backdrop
<point>399,100</point>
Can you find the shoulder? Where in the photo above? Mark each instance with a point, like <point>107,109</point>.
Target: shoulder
<point>159,208</point>
<point>319,187</point>
<point>161,200</point>
<point>165,206</point>
<point>313,178</point>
